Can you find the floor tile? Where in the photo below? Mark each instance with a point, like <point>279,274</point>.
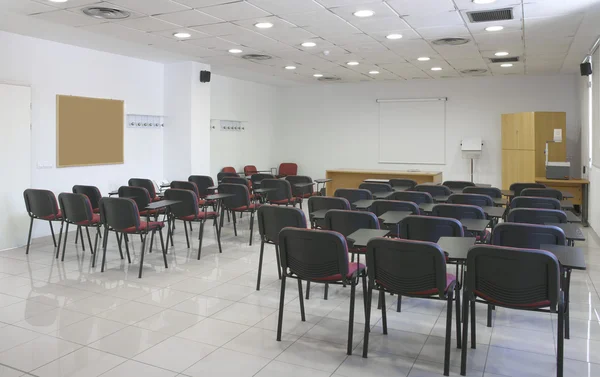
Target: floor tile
<point>278,369</point>
<point>175,354</point>
<point>213,331</point>
<point>39,351</point>
<point>244,314</point>
<point>85,362</point>
<point>88,330</point>
<point>229,292</point>
<point>129,341</point>
<point>225,362</point>
<point>12,336</point>
<point>261,342</point>
<point>52,320</point>
<point>401,343</point>
<point>195,285</point>
<point>130,312</point>
<point>385,365</point>
<point>434,348</point>
<point>95,304</point>
<point>169,321</point>
<point>203,305</point>
<point>335,331</point>
<point>427,369</point>
<point>512,362</point>
<point>410,321</point>
<point>22,310</point>
<point>315,354</point>
<point>133,368</point>
<point>524,340</point>
<point>292,322</point>
<point>166,297</point>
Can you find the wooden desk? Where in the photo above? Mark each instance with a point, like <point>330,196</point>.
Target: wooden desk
<point>349,178</point>
<point>577,187</point>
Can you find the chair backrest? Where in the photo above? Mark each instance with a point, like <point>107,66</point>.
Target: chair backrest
<point>313,254</point>
<point>429,228</point>
<point>237,180</point>
<point>513,277</point>
<point>376,187</point>
<point>185,185</point>
<point>300,191</point>
<point>529,236</point>
<point>145,183</point>
<point>139,194</point>
<point>203,182</point>
<point>411,196</point>
<point>403,182</point>
<point>536,216</point>
<point>241,194</point>
<point>316,203</point>
<point>347,222</point>
<point>75,207</point>
<point>492,192</point>
<point>249,170</point>
<point>40,203</point>
<point>543,192</point>
<point>288,168</point>
<point>518,187</point>
<point>119,213</point>
<point>271,219</point>
<point>380,207</point>
<point>407,267</point>
<point>188,202</point>
<point>458,185</point>
<point>282,192</point>
<point>353,195</point>
<point>535,202</point>
<point>259,177</point>
<point>434,190</point>
<point>222,175</point>
<point>91,192</point>
<point>228,169</point>
<point>458,211</point>
<point>472,199</point>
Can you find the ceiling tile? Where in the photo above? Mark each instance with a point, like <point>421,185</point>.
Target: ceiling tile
<point>189,18</point>
<point>117,31</point>
<point>220,44</point>
<point>380,11</point>
<point>286,6</point>
<point>434,20</point>
<point>65,17</point>
<point>405,70</point>
<point>105,4</point>
<point>549,8</point>
<point>444,32</point>
<point>465,51</point>
<point>169,34</point>
<point>406,34</point>
<point>220,29</point>
<point>151,7</point>
<point>474,63</point>
<point>204,3</point>
<point>278,24</point>
<point>421,7</point>
<point>384,24</point>
<point>146,24</point>
<point>27,7</point>
<point>68,4</point>
<point>235,11</point>
<point>498,4</point>
<point>553,26</point>
<point>412,48</point>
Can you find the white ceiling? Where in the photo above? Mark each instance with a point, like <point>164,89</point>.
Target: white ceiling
<point>549,36</point>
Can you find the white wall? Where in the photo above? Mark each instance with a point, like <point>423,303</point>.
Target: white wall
<point>336,125</point>
<point>256,105</point>
<point>52,68</point>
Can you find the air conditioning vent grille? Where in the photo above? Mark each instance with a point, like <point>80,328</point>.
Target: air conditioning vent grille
<point>450,41</point>
<point>258,57</point>
<point>473,71</point>
<point>512,59</point>
<point>491,15</point>
<point>106,13</point>
<point>329,78</point>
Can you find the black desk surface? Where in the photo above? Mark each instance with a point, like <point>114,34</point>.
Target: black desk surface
<point>394,217</point>
<point>376,180</point>
<point>572,231</point>
<point>499,201</point>
<point>363,203</point>
<point>361,237</point>
<point>572,218</point>
<point>494,211</point>
<point>305,184</point>
<point>456,247</point>
<point>507,192</point>
<point>567,195</point>
<point>212,187</point>
<point>566,204</point>
<point>475,225</point>
<point>323,180</point>
<point>263,190</point>
<point>382,195</point>
<point>319,214</point>
<point>426,207</point>
<point>162,204</point>
<point>219,196</point>
<point>401,188</point>
<point>115,192</point>
<point>571,257</point>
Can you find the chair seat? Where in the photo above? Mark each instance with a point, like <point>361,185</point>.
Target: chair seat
<point>430,292</point>
<point>144,226</point>
<point>251,207</point>
<point>96,210</point>
<point>199,216</point>
<point>151,212</point>
<point>95,220</point>
<point>533,305</point>
<point>58,216</point>
<point>156,199</point>
<point>285,201</point>
<point>353,269</point>
<point>486,237</point>
<point>308,194</point>
<point>357,250</point>
<point>204,202</point>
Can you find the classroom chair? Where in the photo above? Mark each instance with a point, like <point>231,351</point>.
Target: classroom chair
<point>518,187</point>
<point>142,198</point>
<point>429,228</point>
<point>282,195</point>
<point>382,206</point>
<point>41,205</point>
<point>223,174</point>
<point>492,192</point>
<point>249,170</point>
<point>257,179</point>
<point>529,236</point>
<point>415,269</point>
<point>203,182</point>
<point>535,202</point>
<point>229,169</point>
<point>543,192</point>
<point>434,190</point>
<point>376,187</point>
<point>347,222</point>
<point>513,278</point>
<point>271,220</point>
<point>94,195</point>
<point>287,169</point>
<point>353,195</point>
<point>316,203</point>
<point>318,256</point>
<point>301,192</point>
<point>403,182</point>
<point>77,210</point>
<point>458,185</point>
<point>462,211</point>
<point>536,216</point>
<point>147,184</point>
<point>471,199</point>
<point>411,196</point>
<point>239,203</point>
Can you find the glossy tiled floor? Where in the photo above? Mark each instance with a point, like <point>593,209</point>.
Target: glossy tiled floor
<point>205,318</point>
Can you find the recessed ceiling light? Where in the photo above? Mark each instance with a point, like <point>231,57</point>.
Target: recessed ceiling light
<point>501,53</point>
<point>373,72</point>
<point>318,75</point>
<point>290,67</point>
<point>394,36</point>
<point>235,51</point>
<point>182,35</point>
<point>436,68</point>
<point>309,44</point>
<point>484,1</point>
<point>264,25</point>
<point>352,63</point>
<point>364,13</point>
<point>424,58</point>
<point>494,28</point>
<point>506,65</point>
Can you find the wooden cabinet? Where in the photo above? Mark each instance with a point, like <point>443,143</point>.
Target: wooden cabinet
<point>524,137</point>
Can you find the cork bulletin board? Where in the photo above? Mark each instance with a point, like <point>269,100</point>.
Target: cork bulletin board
<point>89,131</point>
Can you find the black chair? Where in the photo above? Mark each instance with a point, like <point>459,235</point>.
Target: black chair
<point>301,192</point>
<point>318,256</point>
<point>353,195</point>
<point>121,215</point>
<point>535,202</point>
<point>271,219</point>
<point>203,182</point>
<point>142,198</point>
<point>316,203</point>
<point>543,192</point>
<point>429,228</point>
<point>382,206</point>
<point>411,196</point>
<point>458,185</point>
<point>471,199</point>
<point>518,187</point>
<point>434,190</point>
<point>403,182</point>
<point>536,216</point>
<point>492,192</point>
<point>187,210</point>
<point>259,177</point>
<point>414,269</point>
<point>94,195</point>
<point>41,205</point>
<point>282,193</point>
<point>224,174</point>
<point>529,236</point>
<point>376,188</point>
<point>77,210</point>
<point>462,211</point>
<point>239,203</point>
<point>347,222</point>
<point>513,278</point>
<point>147,184</point>
<point>235,180</point>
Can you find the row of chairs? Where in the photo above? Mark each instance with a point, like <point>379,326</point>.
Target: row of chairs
<point>285,169</point>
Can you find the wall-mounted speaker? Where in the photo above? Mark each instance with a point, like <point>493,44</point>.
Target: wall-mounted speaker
<point>585,69</point>
<point>204,76</point>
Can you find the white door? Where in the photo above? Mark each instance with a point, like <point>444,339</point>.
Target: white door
<point>15,163</point>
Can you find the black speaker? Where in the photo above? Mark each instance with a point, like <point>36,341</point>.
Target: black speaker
<point>204,76</point>
<point>585,68</point>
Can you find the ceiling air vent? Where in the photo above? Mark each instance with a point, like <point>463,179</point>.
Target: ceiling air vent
<point>256,57</point>
<point>491,15</point>
<point>450,41</point>
<point>473,71</point>
<point>513,59</point>
<point>106,13</point>
<point>329,78</point>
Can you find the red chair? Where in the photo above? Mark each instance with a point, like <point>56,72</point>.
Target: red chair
<point>249,170</point>
<point>147,184</point>
<point>287,168</point>
<point>77,209</point>
<point>228,169</point>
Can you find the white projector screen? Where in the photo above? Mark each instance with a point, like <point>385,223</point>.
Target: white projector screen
<point>412,131</point>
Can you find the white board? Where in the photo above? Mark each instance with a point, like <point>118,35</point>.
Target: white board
<point>412,131</point>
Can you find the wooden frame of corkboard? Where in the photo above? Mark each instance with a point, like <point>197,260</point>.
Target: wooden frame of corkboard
<point>89,131</point>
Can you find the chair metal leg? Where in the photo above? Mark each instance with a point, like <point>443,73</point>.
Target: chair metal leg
<point>567,295</point>
<point>65,243</point>
<point>104,248</point>
<point>307,290</point>
<point>281,300</point>
<point>364,289</point>
<point>251,226</point>
<point>560,340</point>
<point>367,320</point>
<point>399,304</point>
<point>187,238</point>
<point>218,235</point>
<point>87,231</point>
<point>200,236</point>
<point>95,245</point>
<point>80,230</point>
<point>448,333</point>
<point>383,311</point>
<point>489,315</point>
<point>234,224</point>
<point>52,231</point>
<point>473,326</point>
<point>29,236</point>
<point>458,319</point>
<point>142,255</point>
<point>119,241</point>
<point>465,334</point>
<point>77,234</point>
<point>127,248</point>
<point>351,316</point>
<point>326,292</point>
<point>301,299</point>
<point>260,262</point>
<point>162,246</point>
<point>60,233</point>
